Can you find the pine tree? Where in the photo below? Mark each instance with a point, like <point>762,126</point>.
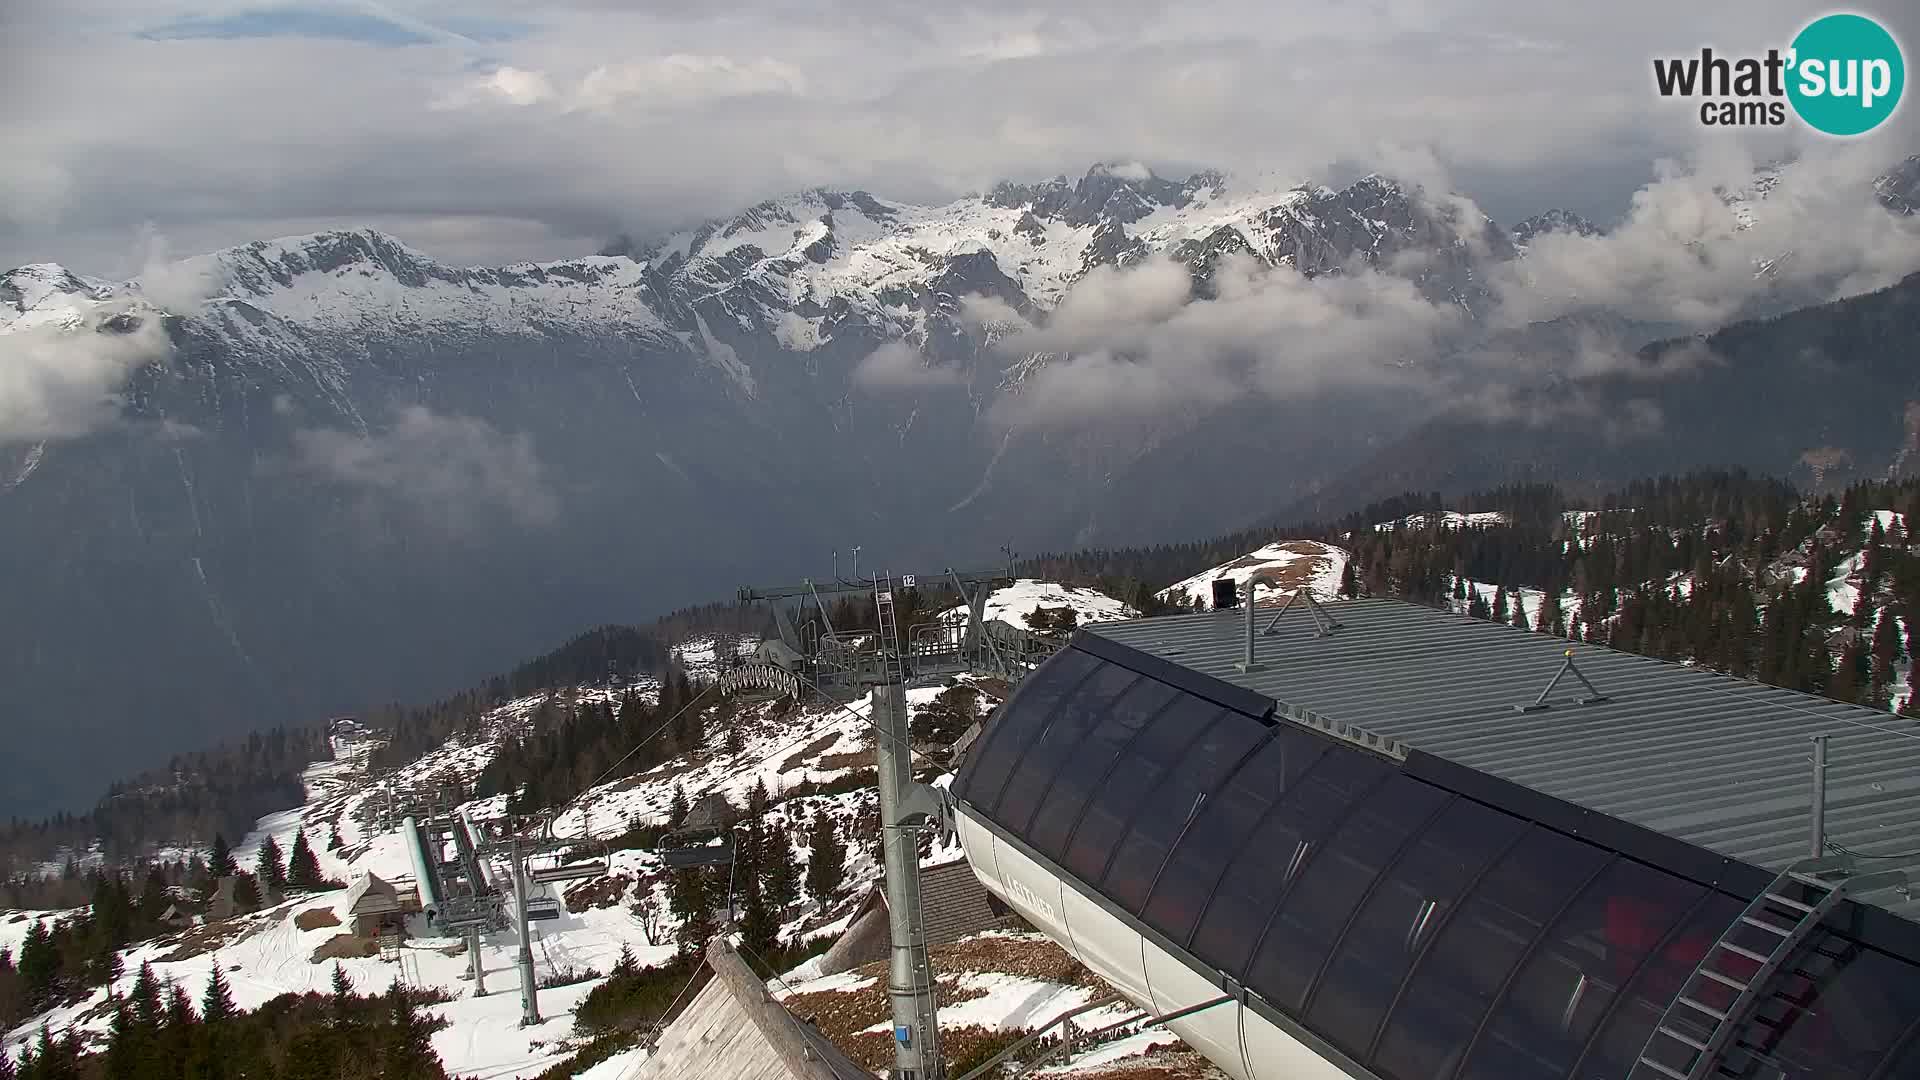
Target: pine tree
<point>126,1046</point>
<point>690,899</point>
<point>826,859</point>
<point>303,866</point>
<point>39,964</point>
<point>246,893</point>
<point>677,809</point>
<point>180,1015</point>
<point>1349,582</point>
<point>220,858</point>
<point>759,926</point>
<point>406,1052</point>
<point>1520,620</point>
<point>148,1009</point>
<point>342,1000</point>
<point>1459,587</point>
<point>216,1005</point>
<point>1477,606</point>
<point>1500,603</point>
<point>268,871</point>
<point>334,843</point>
<point>782,885</point>
<point>626,964</point>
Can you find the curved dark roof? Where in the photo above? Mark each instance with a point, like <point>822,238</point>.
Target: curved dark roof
<point>1420,930</point>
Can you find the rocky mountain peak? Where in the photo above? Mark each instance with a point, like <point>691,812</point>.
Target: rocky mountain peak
<point>1899,189</point>
<point>1556,220</point>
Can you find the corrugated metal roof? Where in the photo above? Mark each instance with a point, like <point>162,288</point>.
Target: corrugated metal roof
<point>1702,757</point>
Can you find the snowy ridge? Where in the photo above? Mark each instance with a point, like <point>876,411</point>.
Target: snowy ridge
<point>1283,567</point>
<point>1015,604</point>
<point>795,271</point>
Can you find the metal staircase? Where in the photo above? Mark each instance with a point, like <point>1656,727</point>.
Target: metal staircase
<point>1717,1002</point>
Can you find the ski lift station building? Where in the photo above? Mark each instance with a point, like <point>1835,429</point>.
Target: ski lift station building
<point>1380,851</point>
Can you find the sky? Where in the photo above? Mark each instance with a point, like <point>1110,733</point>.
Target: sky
<point>486,132</point>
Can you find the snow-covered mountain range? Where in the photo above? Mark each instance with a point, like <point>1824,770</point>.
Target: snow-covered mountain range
<point>327,470</point>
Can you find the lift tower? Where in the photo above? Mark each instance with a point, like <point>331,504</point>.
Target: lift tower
<point>884,665</point>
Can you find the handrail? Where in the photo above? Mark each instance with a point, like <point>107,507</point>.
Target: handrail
<point>994,1061</point>
<point>1150,1021</point>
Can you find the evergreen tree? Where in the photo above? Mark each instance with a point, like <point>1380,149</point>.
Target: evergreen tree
<point>126,1048</point>
<point>1500,603</point>
<point>216,1004</point>
<point>39,964</point>
<point>246,893</point>
<point>690,899</point>
<point>406,1052</point>
<point>677,809</point>
<point>782,887</point>
<point>334,843</point>
<point>1520,620</point>
<point>148,1009</point>
<point>268,871</point>
<point>1349,582</point>
<point>759,926</point>
<point>826,859</point>
<point>626,964</point>
<point>180,1015</point>
<point>1459,587</point>
<point>1850,677</point>
<point>343,996</point>
<point>1477,606</point>
<point>220,858</point>
<point>303,866</point>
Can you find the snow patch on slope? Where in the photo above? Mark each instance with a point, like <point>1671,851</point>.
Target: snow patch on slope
<point>1284,567</point>
<point>1016,603</point>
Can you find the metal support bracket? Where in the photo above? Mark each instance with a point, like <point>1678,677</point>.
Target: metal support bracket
<point>925,800</point>
<point>1323,622</point>
<point>1540,703</point>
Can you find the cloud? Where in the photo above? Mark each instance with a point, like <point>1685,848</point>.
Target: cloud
<point>681,79</point>
<point>504,84</point>
<point>592,119</point>
<point>899,366</point>
<point>451,473</point>
<point>1681,256</point>
<point>1130,343</point>
<point>62,382</point>
<point>178,286</point>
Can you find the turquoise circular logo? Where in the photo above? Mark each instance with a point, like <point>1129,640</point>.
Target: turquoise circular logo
<point>1846,74</point>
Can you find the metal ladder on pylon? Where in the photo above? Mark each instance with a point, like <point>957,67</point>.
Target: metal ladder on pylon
<point>1715,1002</point>
<point>889,636</point>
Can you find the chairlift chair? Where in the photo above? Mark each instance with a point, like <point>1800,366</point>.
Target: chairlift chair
<point>685,849</point>
<point>561,869</point>
<point>542,908</point>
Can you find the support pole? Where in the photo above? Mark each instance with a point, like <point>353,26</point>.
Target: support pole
<point>529,989</point>
<point>1817,842</point>
<point>479,970</point>
<point>916,1035</point>
<point>1246,660</point>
